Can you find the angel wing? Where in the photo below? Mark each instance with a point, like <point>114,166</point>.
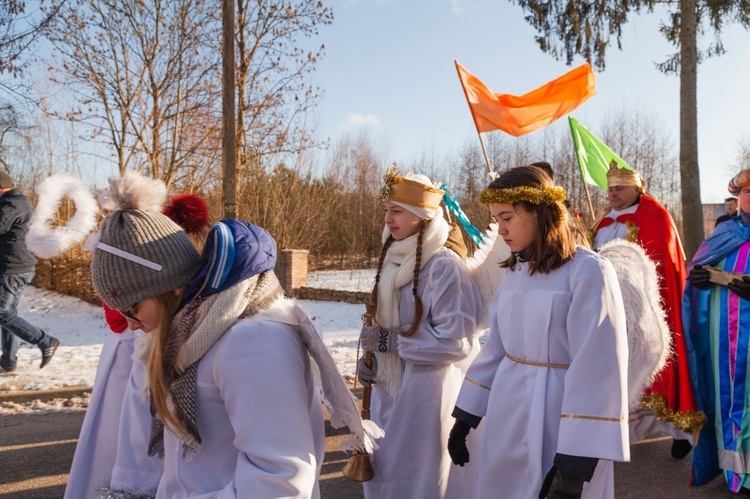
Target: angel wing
<point>649,337</point>
<point>484,268</point>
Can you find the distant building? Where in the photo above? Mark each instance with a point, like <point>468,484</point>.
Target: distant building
<point>710,213</point>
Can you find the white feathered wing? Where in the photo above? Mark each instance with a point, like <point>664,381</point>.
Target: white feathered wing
<point>649,337</point>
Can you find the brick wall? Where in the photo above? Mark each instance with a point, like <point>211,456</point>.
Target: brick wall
<point>291,269</point>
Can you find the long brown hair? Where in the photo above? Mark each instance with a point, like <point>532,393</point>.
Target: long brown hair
<point>555,243</point>
<point>415,282</point>
<point>169,303</point>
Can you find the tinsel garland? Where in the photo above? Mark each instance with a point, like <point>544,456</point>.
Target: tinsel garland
<point>687,421</point>
<point>533,195</point>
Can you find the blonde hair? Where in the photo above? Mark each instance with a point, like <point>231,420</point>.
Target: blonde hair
<point>169,303</point>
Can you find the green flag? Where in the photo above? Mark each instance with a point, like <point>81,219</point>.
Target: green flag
<point>594,157</point>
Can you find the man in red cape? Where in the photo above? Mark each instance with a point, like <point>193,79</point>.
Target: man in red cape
<point>669,404</point>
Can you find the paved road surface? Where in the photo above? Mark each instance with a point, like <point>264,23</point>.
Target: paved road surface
<point>36,451</point>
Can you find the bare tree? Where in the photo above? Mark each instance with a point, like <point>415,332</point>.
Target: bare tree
<point>20,27</point>
<point>274,95</point>
<point>145,74</point>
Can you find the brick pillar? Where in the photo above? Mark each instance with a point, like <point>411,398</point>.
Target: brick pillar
<point>292,269</point>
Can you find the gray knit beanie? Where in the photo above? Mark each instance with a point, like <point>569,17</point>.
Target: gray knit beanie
<point>140,252</point>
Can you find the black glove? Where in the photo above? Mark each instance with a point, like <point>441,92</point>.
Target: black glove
<point>560,485</point>
<point>699,277</point>
<point>457,443</point>
<point>741,287</point>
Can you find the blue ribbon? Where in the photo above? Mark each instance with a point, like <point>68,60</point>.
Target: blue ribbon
<point>452,204</point>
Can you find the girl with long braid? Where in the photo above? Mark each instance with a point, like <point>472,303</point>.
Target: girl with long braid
<point>423,340</point>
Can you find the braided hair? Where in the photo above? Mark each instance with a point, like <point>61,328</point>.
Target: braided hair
<point>417,265</point>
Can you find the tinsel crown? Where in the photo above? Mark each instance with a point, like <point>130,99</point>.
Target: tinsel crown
<point>533,195</point>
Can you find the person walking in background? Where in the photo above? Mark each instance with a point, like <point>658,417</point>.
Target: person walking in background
<point>17,268</point>
<point>716,314</point>
<point>730,204</point>
<point>668,405</point>
<point>424,338</point>
<point>549,385</point>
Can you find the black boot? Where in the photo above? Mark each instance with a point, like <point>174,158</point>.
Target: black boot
<point>681,448</point>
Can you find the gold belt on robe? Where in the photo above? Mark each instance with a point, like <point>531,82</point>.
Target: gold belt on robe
<point>538,364</point>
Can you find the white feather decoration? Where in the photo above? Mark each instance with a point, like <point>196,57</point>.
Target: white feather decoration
<point>47,242</point>
<point>484,268</point>
<point>649,337</point>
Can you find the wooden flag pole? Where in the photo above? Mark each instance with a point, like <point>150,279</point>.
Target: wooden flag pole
<point>479,134</point>
<point>588,198</point>
<point>484,150</point>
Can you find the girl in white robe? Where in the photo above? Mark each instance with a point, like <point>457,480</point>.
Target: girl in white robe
<point>423,342</point>
<point>237,409</point>
<point>97,443</point>
<point>549,386</point>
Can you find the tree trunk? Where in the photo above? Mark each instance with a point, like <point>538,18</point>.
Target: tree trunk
<point>692,210</point>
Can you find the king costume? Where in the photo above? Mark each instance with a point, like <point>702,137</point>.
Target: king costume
<point>717,327</point>
<point>669,404</point>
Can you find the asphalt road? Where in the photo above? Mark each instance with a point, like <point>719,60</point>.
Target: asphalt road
<point>36,451</point>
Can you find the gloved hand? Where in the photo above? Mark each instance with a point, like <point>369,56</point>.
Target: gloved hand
<point>741,287</point>
<point>457,443</point>
<point>378,339</point>
<point>699,277</point>
<point>560,485</point>
<point>365,374</point>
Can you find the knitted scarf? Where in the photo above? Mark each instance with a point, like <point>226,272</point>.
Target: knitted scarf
<point>194,330</point>
<point>398,271</point>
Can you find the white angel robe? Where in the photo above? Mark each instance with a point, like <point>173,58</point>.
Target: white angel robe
<point>97,443</point>
<point>134,469</point>
<point>551,378</point>
<point>413,460</point>
<point>259,417</point>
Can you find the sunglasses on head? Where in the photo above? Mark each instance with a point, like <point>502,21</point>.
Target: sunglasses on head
<point>128,313</point>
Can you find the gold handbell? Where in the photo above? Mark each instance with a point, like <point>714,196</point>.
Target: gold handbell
<point>358,468</point>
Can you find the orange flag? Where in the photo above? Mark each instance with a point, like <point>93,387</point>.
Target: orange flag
<point>519,115</point>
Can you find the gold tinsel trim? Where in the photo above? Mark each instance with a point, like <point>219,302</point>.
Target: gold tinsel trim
<point>689,421</point>
<point>533,195</point>
<point>633,230</point>
<point>631,236</point>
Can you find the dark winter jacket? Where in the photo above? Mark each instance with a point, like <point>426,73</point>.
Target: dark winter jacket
<point>15,213</point>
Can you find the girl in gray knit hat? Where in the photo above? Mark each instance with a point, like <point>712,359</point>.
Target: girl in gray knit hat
<point>229,359</point>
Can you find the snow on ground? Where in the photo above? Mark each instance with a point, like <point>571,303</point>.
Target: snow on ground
<point>346,280</point>
<point>81,329</point>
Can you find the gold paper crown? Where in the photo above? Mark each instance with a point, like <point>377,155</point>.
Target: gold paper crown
<point>623,176</point>
<point>533,195</point>
<point>411,192</point>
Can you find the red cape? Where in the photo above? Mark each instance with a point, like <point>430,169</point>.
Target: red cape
<point>657,235</point>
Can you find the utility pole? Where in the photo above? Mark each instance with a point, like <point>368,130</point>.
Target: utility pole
<point>229,139</point>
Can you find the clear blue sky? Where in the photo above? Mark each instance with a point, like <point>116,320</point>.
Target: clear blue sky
<point>389,64</point>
